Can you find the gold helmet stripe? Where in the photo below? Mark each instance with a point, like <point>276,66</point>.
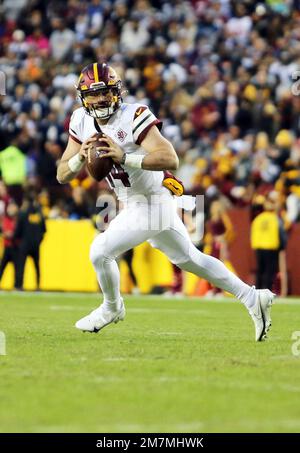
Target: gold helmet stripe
<point>80,77</point>
<point>96,75</point>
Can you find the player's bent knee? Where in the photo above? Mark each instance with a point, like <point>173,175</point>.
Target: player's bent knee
<point>95,256</point>
<point>98,251</point>
<point>181,264</point>
<point>179,260</point>
<point>193,257</point>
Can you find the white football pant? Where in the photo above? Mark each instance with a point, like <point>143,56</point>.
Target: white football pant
<point>160,225</point>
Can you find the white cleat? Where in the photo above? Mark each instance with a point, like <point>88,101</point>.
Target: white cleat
<point>261,313</point>
<point>100,318</point>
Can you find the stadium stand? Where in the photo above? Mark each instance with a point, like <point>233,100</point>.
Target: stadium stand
<point>222,75</point>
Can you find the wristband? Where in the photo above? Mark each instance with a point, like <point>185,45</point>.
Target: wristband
<point>75,164</point>
<point>134,161</point>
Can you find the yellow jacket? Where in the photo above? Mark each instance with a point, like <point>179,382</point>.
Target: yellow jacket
<point>265,231</point>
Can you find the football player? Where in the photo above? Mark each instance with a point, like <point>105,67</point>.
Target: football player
<point>141,155</point>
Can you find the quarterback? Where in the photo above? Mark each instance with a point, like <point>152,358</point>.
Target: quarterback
<point>141,155</point>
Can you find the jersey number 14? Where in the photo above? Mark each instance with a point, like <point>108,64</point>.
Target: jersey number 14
<point>118,172</point>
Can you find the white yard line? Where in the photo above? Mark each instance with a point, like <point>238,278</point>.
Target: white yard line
<point>123,359</point>
<point>67,308</point>
<point>55,294</point>
<point>160,297</point>
<point>152,310</point>
<point>166,310</point>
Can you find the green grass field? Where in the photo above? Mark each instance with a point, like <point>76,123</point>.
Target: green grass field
<point>171,366</point>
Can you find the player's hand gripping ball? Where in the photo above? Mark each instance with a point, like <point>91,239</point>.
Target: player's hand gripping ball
<point>97,167</point>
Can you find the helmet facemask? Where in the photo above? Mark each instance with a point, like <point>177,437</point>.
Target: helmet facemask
<point>107,105</point>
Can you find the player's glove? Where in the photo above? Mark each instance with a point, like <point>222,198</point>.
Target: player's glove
<point>173,184</point>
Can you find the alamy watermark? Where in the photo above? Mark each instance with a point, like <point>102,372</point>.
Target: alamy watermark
<point>154,212</point>
<point>2,83</point>
<point>296,345</point>
<point>296,84</point>
<point>2,343</point>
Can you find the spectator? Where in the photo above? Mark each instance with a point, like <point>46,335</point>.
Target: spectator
<point>30,231</point>
<point>10,253</point>
<point>79,206</point>
<point>267,239</point>
<point>4,199</point>
<point>39,42</point>
<point>61,39</point>
<point>219,234</point>
<point>13,168</point>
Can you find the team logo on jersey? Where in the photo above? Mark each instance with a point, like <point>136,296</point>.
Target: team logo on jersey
<point>139,111</point>
<point>121,135</point>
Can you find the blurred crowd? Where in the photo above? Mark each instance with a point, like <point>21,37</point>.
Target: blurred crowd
<point>222,75</point>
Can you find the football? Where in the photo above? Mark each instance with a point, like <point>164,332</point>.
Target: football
<point>98,168</point>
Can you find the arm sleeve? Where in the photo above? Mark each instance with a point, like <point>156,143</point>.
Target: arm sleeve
<point>143,120</point>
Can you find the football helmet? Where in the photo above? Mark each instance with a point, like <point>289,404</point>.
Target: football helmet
<point>99,89</point>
